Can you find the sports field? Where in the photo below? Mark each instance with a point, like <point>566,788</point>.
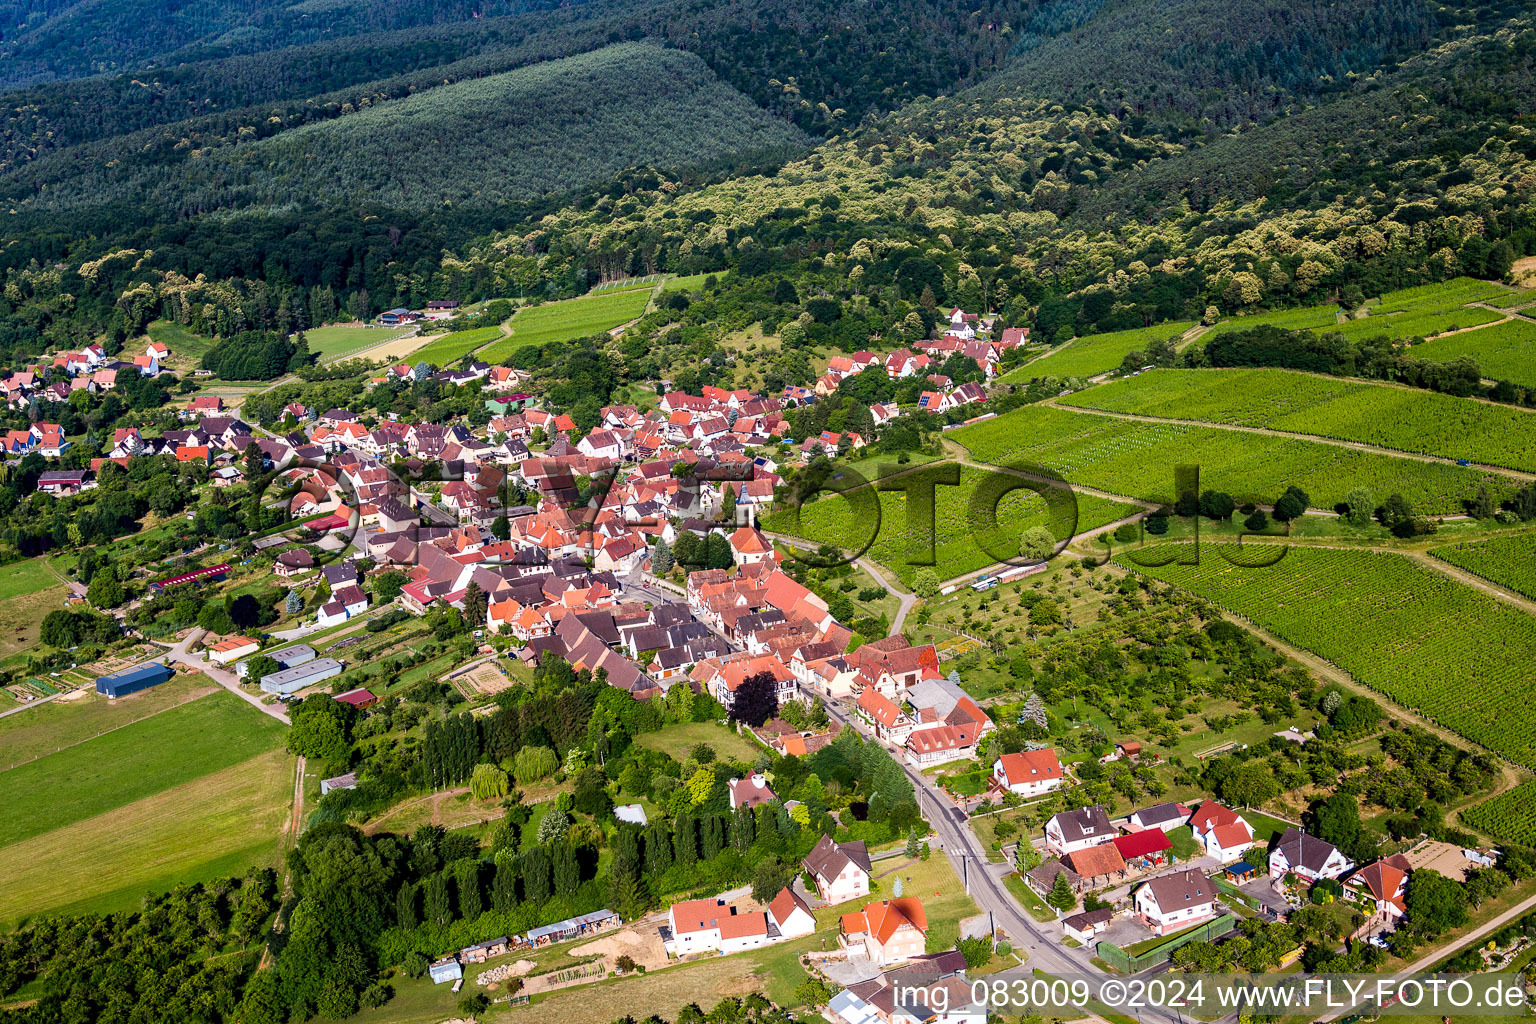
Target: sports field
<point>132,763</point>
<point>339,341</point>
<point>1404,419</point>
<point>1138,459</point>
<point>573,318</point>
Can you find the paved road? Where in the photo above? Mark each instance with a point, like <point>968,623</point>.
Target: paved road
<point>224,678</point>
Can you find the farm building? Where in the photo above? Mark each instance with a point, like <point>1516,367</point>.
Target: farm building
<point>132,680</point>
<point>597,921</point>
<point>287,657</point>
<point>300,676</point>
<point>361,697</point>
<point>232,648</point>
<point>347,781</point>
<point>212,572</point>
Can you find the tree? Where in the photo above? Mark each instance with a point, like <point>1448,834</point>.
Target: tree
<point>1397,515</point>
<point>1360,506</point>
<point>293,604</point>
<point>978,950</point>
<point>1337,821</point>
<point>1292,504</point>
<point>254,460</point>
<point>534,763</point>
<point>768,878</point>
<point>1435,903</point>
<point>756,700</point>
<point>553,827</point>
<point>439,909</point>
<point>1037,544</point>
<point>387,585</point>
<point>1061,895</point>
<point>105,591</point>
<point>913,848</point>
<point>488,782</point>
<point>1256,523</point>
<point>261,665</point>
<point>925,583</point>
<point>474,604</point>
<point>661,558</point>
<point>728,505</point>
<point>1217,505</point>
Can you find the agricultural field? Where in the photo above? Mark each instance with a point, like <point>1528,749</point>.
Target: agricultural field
<point>447,349</point>
<point>1508,561</point>
<point>692,282</point>
<point>1457,655</point>
<point>1505,351</point>
<point>21,617</point>
<point>573,318</point>
<point>339,341</point>
<point>1098,353</point>
<point>1509,816</point>
<point>26,577</point>
<point>208,827</point>
<point>1425,310</point>
<point>1137,459</point>
<point>1404,419</point>
<point>1289,319</point>
<point>62,723</point>
<point>132,763</point>
<point>837,521</point>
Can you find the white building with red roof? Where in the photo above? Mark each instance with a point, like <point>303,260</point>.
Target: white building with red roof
<point>1029,772</point>
<point>1223,832</point>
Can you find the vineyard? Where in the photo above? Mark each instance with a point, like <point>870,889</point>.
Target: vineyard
<point>836,521</point>
<point>1289,319</point>
<point>573,318</point>
<point>1508,561</point>
<point>1137,459</point>
<point>1505,351</point>
<point>1098,353</point>
<point>1398,418</point>
<point>450,348</point>
<point>1510,816</point>
<point>1425,310</point>
<point>1455,654</point>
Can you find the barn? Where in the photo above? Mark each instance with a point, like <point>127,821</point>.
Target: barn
<point>132,680</point>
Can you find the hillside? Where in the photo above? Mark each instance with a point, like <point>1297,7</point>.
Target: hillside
<point>479,142</point>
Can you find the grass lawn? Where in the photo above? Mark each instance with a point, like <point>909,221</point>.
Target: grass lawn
<point>132,763</point>
<point>693,282</point>
<point>573,318</point>
<point>1029,899</point>
<point>338,341</point>
<point>63,723</point>
<point>449,348</point>
<point>181,341</point>
<point>21,617</point>
<point>210,827</point>
<point>1138,948</point>
<point>1185,846</point>
<point>26,577</point>
<point>676,740</point>
<point>1265,827</point>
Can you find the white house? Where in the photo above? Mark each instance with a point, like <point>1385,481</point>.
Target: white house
<point>232,648</point>
<point>1071,831</point>
<point>791,915</point>
<point>841,870</point>
<point>1028,773</point>
<point>1223,832</point>
<point>1307,857</point>
<point>744,931</point>
<point>1175,901</point>
<point>1167,816</point>
<point>695,925</point>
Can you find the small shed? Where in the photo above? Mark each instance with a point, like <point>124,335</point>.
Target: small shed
<point>1238,873</point>
<point>1083,927</point>
<point>597,921</point>
<point>347,781</point>
<point>446,969</point>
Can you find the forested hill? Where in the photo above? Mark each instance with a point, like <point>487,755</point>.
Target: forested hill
<point>473,144</point>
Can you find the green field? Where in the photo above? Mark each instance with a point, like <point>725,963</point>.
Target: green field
<point>178,339</point>
<point>337,341</point>
<point>1137,459</point>
<point>1425,310</point>
<point>450,348</point>
<point>1505,351</point>
<point>1404,419</point>
<point>1289,319</point>
<point>210,827</point>
<point>676,740</point>
<point>1508,561</point>
<point>129,764</point>
<point>26,577</point>
<point>573,318</point>
<point>837,521</point>
<point>693,282</point>
<point>1457,655</point>
<point>62,723</point>
<point>1098,353</point>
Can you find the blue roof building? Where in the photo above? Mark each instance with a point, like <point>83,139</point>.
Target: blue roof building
<point>132,680</point>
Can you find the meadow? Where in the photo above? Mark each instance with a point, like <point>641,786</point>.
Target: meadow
<point>676,740</point>
<point>132,763</point>
<point>692,282</point>
<point>181,341</point>
<point>1455,654</point>
<point>1505,351</point>
<point>573,318</point>
<point>1508,561</point>
<point>446,349</point>
<point>956,548</point>
<point>209,827</point>
<point>1404,419</point>
<point>1289,319</point>
<point>341,340</point>
<point>51,727</point>
<point>26,577</point>
<point>1137,459</point>
<point>1098,353</point>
